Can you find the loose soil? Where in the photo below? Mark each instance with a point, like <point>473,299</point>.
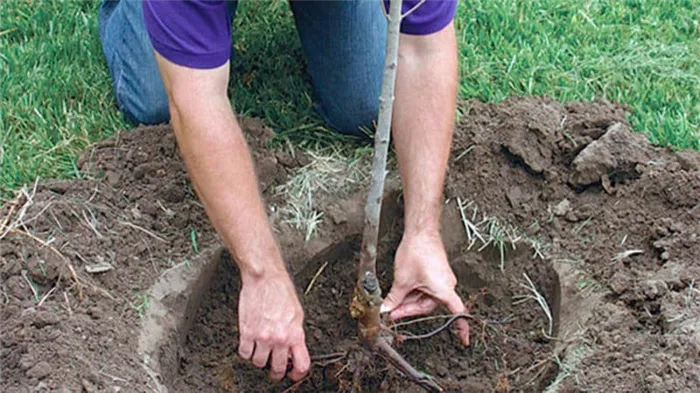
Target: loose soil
<point>509,346</point>
<point>605,225</point>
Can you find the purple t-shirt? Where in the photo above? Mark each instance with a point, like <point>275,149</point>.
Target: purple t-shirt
<point>197,33</point>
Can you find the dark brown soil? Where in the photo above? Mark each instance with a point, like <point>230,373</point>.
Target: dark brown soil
<point>135,213</point>
<point>577,177</point>
<point>618,219</point>
<point>509,346</point>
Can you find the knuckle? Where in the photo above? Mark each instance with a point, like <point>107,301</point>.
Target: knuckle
<point>264,336</point>
<point>278,338</point>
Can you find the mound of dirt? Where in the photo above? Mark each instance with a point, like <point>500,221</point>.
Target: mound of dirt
<point>622,218</point>
<point>535,183</point>
<point>78,258</point>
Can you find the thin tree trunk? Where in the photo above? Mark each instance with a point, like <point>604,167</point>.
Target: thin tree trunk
<point>367,281</point>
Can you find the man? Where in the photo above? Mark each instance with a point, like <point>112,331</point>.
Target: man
<point>169,60</point>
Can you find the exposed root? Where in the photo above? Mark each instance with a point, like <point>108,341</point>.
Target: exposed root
<point>296,385</point>
<point>436,331</point>
<point>325,360</point>
<point>421,379</point>
<point>144,230</point>
<point>315,277</point>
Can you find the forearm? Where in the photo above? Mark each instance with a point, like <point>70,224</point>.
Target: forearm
<point>423,123</point>
<point>222,172</point>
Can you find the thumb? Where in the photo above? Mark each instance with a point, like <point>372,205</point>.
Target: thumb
<point>393,299</point>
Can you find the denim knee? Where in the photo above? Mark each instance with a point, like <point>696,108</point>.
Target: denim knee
<point>144,109</point>
<point>138,87</point>
<point>357,118</point>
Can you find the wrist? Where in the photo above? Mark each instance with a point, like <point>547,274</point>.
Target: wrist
<point>258,258</point>
<point>262,271</point>
<point>427,225</point>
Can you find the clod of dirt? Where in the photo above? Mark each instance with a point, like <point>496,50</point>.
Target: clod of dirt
<point>40,371</point>
<point>615,155</point>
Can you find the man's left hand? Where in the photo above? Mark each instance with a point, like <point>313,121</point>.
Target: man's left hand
<point>423,279</point>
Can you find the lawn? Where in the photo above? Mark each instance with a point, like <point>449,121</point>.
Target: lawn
<point>56,93</point>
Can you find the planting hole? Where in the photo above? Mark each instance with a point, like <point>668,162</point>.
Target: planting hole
<point>510,344</point>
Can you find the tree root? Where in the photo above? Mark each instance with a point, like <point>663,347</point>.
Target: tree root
<point>382,346</point>
<point>403,337</point>
<point>392,356</point>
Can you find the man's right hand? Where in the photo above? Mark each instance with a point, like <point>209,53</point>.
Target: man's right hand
<point>270,320</point>
<point>221,168</point>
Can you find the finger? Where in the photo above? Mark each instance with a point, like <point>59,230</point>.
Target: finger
<point>278,366</point>
<point>421,306</point>
<point>396,296</point>
<point>245,348</point>
<point>456,306</point>
<point>300,357</point>
<point>411,297</point>
<point>262,353</point>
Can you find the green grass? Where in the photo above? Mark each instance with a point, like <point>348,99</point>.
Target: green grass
<point>56,93</point>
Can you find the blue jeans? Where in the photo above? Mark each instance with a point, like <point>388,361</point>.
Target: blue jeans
<point>343,41</point>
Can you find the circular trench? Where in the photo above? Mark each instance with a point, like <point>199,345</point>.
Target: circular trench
<point>192,341</point>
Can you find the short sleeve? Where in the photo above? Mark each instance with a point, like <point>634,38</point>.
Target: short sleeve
<point>430,17</point>
<point>194,33</point>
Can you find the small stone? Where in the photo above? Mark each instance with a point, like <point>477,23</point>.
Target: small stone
<point>514,196</point>
<point>112,178</point>
<point>571,217</point>
<point>337,215</point>
<point>95,313</point>
<point>619,282</point>
<point>653,289</point>
<point>303,160</point>
<point>661,231</point>
<point>45,318</point>
<point>286,159</point>
<point>562,208</point>
<point>653,379</point>
<point>556,224</point>
<point>441,371</point>
<point>88,386</point>
<point>665,256</point>
<point>26,362</point>
<point>180,221</point>
<point>40,371</point>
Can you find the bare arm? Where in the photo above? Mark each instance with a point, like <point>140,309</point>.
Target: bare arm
<point>220,165</point>
<point>423,120</point>
<point>422,126</point>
